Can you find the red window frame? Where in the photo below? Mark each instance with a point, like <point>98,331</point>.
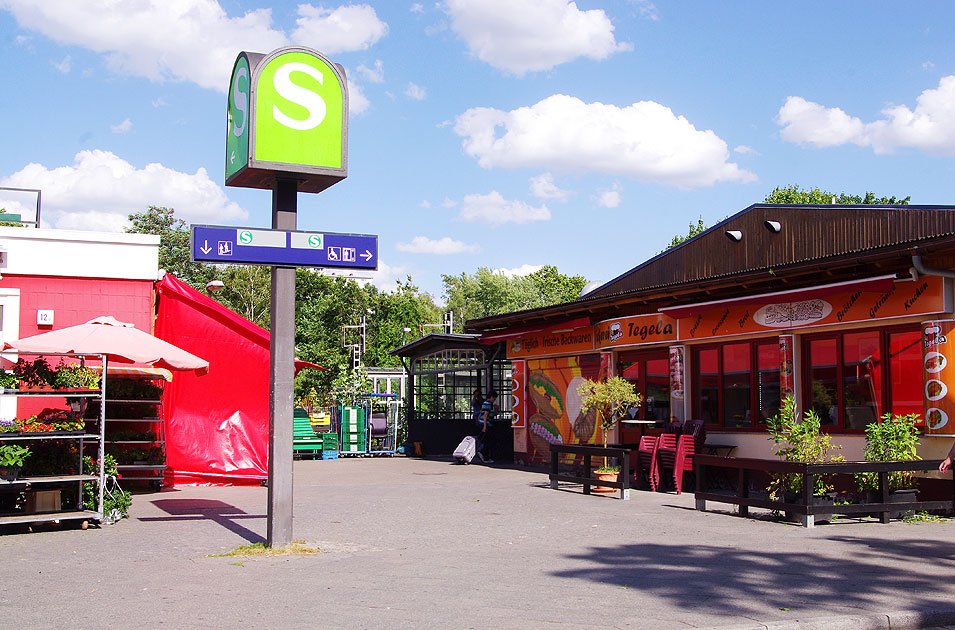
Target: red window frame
<point>753,349</point>
<point>885,376</point>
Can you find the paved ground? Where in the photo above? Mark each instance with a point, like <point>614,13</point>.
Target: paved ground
<point>417,544</point>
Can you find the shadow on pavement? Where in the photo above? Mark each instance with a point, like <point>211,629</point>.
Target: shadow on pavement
<point>218,512</point>
<point>741,581</point>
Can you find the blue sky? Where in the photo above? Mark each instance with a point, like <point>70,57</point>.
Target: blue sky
<point>500,133</point>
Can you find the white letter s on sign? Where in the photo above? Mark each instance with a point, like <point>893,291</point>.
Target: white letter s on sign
<point>299,95</point>
<point>241,103</point>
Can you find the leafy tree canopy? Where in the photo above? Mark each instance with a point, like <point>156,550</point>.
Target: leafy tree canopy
<point>174,245</point>
<point>796,195</point>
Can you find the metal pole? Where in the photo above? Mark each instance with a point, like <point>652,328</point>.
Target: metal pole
<point>281,375</point>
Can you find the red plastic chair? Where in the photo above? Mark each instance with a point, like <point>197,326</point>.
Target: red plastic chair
<point>665,457</point>
<point>685,450</point>
<point>646,456</point>
<point>697,429</point>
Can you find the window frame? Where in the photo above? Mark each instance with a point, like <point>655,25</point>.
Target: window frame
<point>753,350</point>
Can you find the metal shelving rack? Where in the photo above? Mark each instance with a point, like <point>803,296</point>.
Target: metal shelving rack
<point>153,473</point>
<point>85,438</point>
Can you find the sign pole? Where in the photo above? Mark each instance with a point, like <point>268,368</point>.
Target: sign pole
<point>281,374</point>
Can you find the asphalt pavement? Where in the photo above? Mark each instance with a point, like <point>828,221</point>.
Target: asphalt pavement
<point>410,543</point>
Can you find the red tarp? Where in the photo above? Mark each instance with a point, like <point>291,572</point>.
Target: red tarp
<point>217,425</point>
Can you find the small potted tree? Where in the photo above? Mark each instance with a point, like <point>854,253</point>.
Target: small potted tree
<point>895,439</point>
<point>11,460</point>
<point>610,398</point>
<point>800,441</point>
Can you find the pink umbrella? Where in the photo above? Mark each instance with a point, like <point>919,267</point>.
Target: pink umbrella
<point>118,340</point>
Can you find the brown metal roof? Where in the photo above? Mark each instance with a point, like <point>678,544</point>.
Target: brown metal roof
<point>815,244</point>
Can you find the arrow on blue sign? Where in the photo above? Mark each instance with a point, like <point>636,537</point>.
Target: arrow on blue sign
<point>281,248</point>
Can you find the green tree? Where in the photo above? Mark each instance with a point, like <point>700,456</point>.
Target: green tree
<point>699,228</point>
<point>174,244</point>
<point>247,291</point>
<point>796,195</point>
<point>489,292</point>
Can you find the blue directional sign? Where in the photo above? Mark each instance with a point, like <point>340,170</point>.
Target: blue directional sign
<point>256,246</point>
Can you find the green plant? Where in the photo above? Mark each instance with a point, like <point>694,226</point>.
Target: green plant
<point>349,385</point>
<point>116,501</point>
<point>611,398</point>
<point>799,441</point>
<point>36,373</point>
<point>132,389</point>
<point>607,469</point>
<point>75,376</point>
<point>895,439</point>
<point>9,380</point>
<point>13,456</point>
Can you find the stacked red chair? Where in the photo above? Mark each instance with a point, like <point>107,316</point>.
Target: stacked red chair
<point>685,450</point>
<point>665,458</point>
<point>646,460</point>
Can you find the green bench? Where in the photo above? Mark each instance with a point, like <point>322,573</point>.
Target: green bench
<point>304,439</point>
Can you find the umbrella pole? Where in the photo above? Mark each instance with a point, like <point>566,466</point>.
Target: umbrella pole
<point>281,374</point>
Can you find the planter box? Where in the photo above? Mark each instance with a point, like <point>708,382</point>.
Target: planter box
<point>827,500</point>
<point>909,495</point>
<point>10,473</point>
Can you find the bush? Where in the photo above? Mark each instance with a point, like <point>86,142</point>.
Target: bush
<point>799,442</point>
<point>895,439</point>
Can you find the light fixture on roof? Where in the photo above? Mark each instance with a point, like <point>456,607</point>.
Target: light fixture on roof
<point>214,286</point>
<point>734,235</point>
<point>773,226</point>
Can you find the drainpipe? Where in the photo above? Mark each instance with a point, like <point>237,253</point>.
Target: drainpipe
<point>930,271</point>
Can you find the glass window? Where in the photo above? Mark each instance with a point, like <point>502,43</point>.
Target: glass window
<point>767,380</point>
<point>736,385</point>
<point>658,389</point>
<point>905,368</point>
<point>708,385</point>
<point>823,379</point>
<point>861,378</point>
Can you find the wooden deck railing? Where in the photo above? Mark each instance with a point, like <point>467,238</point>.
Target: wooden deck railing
<point>621,454</point>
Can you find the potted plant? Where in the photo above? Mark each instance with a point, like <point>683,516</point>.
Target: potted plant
<point>610,399</point>
<point>11,460</point>
<point>8,380</point>
<point>895,439</point>
<point>73,376</point>
<point>800,441</point>
<point>33,374</point>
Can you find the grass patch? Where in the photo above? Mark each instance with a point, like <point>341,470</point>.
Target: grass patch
<point>924,517</point>
<point>296,548</point>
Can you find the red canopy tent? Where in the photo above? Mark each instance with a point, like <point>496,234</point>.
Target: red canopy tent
<point>217,426</point>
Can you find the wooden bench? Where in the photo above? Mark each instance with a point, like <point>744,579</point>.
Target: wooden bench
<point>622,455</point>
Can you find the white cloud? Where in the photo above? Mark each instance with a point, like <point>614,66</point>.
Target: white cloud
<point>646,10</point>
<point>494,209</point>
<point>805,122</point>
<point>357,101</point>
<point>345,29</point>
<point>445,245</point>
<point>386,277</point>
<point>543,187</point>
<point>417,7</point>
<point>520,36</point>
<point>159,102</point>
<point>929,128</point>
<point>644,140</point>
<point>425,204</point>
<point>415,92</point>
<point>745,150</point>
<point>122,127</point>
<point>448,203</point>
<point>189,40</point>
<point>523,270</point>
<point>609,198</point>
<point>100,189</point>
<point>376,74</point>
<point>64,66</point>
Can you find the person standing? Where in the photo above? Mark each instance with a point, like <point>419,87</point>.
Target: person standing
<point>485,420</point>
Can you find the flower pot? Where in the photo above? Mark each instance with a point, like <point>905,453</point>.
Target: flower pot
<point>77,405</point>
<point>9,473</point>
<point>605,476</point>
<point>827,500</point>
<point>908,495</point>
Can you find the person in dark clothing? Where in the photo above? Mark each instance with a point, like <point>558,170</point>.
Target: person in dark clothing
<point>485,420</point>
<point>476,401</point>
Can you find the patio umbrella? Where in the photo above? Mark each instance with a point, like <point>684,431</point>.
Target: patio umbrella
<point>118,340</point>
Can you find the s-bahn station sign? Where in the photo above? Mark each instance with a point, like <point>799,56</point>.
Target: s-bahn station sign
<point>288,119</point>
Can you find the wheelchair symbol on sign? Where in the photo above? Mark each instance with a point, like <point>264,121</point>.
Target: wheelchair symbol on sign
<point>334,253</point>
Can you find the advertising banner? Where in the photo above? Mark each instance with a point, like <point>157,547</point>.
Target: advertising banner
<point>537,344</point>
<point>677,384</point>
<point>938,376</point>
<point>553,404</point>
<point>920,297</point>
<point>635,330</point>
<point>787,378</point>
<point>518,395</point>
